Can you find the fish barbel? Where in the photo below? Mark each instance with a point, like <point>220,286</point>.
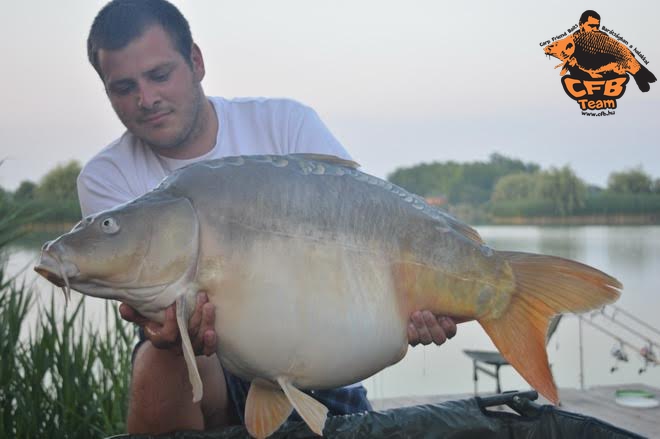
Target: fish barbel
<point>329,261</point>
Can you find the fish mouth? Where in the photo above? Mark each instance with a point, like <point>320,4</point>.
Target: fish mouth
<point>50,276</point>
<point>57,272</point>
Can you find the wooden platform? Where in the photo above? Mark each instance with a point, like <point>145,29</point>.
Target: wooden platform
<point>597,402</point>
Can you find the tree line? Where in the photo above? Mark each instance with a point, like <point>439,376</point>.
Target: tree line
<point>54,199</point>
<point>501,187</point>
<point>507,187</point>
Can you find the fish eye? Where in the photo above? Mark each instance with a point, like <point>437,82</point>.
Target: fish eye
<point>110,225</point>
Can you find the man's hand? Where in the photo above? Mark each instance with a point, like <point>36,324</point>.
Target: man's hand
<point>166,335</point>
<point>424,328</point>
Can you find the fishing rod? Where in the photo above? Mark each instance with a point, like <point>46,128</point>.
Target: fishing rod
<point>613,319</point>
<point>646,353</point>
<point>632,317</point>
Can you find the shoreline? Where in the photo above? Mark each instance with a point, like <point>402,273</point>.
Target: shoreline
<point>586,220</point>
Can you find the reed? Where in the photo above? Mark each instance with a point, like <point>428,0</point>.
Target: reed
<point>60,375</point>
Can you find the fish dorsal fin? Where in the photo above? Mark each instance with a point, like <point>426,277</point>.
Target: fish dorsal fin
<point>466,231</point>
<point>460,227</point>
<point>266,408</point>
<point>326,158</point>
<point>313,412</point>
<point>183,312</point>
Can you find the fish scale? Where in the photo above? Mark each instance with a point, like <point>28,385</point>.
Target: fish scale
<point>601,50</point>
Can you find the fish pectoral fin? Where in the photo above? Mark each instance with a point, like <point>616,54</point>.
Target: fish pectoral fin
<point>182,315</point>
<point>266,409</point>
<point>313,412</point>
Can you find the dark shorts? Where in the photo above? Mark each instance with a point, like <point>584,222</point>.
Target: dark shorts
<point>341,401</point>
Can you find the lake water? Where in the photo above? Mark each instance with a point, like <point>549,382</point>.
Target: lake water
<point>631,254</point>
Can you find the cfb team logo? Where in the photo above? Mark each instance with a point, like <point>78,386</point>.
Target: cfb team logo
<point>597,64</point>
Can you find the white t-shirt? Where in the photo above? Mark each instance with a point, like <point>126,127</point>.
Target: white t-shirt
<point>127,168</point>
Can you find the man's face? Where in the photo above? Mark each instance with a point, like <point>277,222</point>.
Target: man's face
<point>153,90</point>
<point>590,25</point>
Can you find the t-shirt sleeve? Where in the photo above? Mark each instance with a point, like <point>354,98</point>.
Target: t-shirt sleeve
<point>100,187</point>
<point>308,134</point>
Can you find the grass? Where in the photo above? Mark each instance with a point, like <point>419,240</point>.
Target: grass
<point>60,376</point>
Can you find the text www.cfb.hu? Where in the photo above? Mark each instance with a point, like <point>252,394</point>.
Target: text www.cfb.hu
<point>601,113</point>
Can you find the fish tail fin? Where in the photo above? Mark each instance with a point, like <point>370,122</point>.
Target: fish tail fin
<point>643,78</point>
<point>544,286</point>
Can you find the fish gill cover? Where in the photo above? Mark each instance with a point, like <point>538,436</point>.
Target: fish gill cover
<point>596,64</point>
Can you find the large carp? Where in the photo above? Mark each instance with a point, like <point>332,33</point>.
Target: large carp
<point>328,260</point>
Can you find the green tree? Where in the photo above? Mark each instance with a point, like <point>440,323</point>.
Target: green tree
<point>515,187</point>
<point>506,165</point>
<point>470,183</point>
<point>656,186</point>
<point>563,188</point>
<point>632,181</point>
<point>59,183</point>
<point>5,196</point>
<point>25,192</point>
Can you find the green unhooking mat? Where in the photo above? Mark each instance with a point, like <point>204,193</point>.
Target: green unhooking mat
<point>463,419</point>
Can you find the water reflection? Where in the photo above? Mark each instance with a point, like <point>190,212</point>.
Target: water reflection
<point>631,247</point>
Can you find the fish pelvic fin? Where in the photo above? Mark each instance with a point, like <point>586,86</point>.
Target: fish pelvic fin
<point>313,412</point>
<point>183,311</point>
<point>266,409</point>
<point>544,286</point>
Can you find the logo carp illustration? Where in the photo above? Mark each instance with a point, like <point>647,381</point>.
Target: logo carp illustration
<point>598,65</point>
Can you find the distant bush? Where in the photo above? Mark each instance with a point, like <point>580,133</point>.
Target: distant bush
<point>632,181</point>
<point>525,207</point>
<point>609,203</point>
<point>602,203</point>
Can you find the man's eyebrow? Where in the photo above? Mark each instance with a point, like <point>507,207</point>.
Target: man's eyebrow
<point>129,81</point>
<point>120,82</point>
<point>166,65</point>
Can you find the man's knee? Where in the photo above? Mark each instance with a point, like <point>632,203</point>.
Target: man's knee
<point>161,393</point>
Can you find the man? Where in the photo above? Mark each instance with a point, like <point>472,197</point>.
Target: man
<point>589,21</point>
<point>152,72</point>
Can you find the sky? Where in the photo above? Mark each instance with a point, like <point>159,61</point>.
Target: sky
<point>397,82</point>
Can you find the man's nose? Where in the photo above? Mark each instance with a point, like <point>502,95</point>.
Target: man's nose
<point>148,97</point>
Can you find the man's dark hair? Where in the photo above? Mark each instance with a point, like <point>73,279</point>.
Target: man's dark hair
<point>586,14</point>
<point>122,21</point>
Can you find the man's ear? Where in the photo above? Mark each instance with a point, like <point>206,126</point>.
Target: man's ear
<point>197,61</point>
